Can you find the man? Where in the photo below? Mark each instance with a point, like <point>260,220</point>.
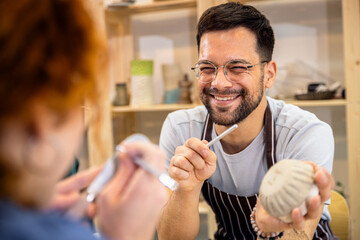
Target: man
<point>235,67</point>
<point>49,62</point>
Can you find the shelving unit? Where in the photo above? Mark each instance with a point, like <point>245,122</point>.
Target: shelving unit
<point>152,108</point>
<point>121,35</point>
<point>121,43</point>
<point>174,107</point>
<point>116,10</point>
<point>351,31</point>
<point>318,103</point>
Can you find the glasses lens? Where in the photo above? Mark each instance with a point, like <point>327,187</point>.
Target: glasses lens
<point>206,72</point>
<point>196,71</point>
<point>234,70</point>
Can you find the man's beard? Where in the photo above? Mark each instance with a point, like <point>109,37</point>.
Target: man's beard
<point>246,107</point>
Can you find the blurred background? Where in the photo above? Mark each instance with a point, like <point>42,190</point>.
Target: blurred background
<point>152,48</point>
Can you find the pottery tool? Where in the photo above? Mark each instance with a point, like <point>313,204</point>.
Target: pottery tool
<point>110,168</point>
<point>226,132</point>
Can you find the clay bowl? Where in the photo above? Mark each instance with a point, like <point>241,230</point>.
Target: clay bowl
<point>287,185</point>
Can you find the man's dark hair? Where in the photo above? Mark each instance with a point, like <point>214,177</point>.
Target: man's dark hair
<point>232,15</point>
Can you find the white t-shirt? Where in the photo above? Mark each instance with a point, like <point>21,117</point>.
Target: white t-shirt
<point>299,135</point>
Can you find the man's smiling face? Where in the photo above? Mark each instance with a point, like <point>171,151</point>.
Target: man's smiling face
<point>230,102</point>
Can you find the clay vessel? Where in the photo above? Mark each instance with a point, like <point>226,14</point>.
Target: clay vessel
<point>285,186</point>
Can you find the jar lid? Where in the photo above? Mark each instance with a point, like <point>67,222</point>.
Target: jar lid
<point>141,67</point>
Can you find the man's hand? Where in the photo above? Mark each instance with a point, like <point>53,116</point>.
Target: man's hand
<point>323,181</point>
<point>192,164</point>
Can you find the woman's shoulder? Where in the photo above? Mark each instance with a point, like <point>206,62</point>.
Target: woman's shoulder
<point>21,223</point>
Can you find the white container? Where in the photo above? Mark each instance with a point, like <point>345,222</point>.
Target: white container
<point>287,185</point>
<point>141,83</point>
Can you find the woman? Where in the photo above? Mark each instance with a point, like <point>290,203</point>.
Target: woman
<point>48,59</point>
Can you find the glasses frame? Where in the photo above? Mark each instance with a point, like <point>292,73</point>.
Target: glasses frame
<point>223,66</point>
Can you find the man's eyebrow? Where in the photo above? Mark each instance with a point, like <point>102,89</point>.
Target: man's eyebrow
<point>206,61</point>
<point>239,61</point>
<point>232,61</point>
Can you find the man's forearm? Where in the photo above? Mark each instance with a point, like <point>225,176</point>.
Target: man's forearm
<point>180,217</point>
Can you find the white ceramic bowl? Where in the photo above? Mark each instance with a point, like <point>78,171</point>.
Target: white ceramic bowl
<point>285,186</point>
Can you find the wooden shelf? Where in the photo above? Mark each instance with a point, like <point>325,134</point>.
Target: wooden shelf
<point>318,103</point>
<point>173,107</point>
<point>152,108</point>
<point>299,11</point>
<point>114,13</point>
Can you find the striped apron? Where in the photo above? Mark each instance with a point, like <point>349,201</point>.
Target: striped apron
<point>233,212</point>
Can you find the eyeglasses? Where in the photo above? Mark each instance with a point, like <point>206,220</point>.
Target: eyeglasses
<point>206,71</point>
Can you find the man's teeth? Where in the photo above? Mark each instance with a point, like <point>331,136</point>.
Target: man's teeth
<point>224,98</point>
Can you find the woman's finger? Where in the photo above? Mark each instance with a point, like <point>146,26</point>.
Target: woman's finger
<point>114,188</point>
<point>77,182</point>
<point>64,201</point>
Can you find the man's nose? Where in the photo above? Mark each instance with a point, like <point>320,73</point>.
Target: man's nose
<point>221,81</point>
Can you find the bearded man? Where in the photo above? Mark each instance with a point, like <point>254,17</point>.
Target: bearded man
<point>235,67</point>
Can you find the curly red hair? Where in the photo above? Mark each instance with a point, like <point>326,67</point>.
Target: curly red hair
<point>48,51</point>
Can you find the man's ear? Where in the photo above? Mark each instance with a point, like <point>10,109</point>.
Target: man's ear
<point>270,74</point>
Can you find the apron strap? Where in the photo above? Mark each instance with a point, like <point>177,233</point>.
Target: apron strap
<point>207,129</point>
<point>270,137</point>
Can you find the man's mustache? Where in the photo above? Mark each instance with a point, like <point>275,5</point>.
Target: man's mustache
<point>213,90</point>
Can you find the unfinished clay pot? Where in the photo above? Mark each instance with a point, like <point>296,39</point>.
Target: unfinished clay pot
<point>287,185</point>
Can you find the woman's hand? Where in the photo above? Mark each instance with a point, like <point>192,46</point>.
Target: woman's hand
<point>67,191</point>
<point>130,204</point>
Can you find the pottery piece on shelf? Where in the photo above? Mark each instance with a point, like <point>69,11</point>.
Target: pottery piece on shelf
<point>285,186</point>
<point>185,92</point>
